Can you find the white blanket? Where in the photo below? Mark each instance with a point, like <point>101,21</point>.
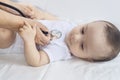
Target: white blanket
<point>14,67</point>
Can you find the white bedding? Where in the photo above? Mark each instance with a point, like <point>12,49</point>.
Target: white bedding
<point>14,67</point>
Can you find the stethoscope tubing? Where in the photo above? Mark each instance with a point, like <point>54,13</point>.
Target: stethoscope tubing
<point>14,8</point>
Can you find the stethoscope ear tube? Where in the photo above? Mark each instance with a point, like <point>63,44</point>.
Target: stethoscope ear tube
<point>12,7</point>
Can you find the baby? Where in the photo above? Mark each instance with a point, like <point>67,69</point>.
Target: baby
<point>94,41</point>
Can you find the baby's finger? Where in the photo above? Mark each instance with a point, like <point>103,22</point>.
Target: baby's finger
<point>21,29</point>
<point>27,24</point>
<point>34,27</point>
<point>30,9</point>
<point>29,12</point>
<point>24,27</point>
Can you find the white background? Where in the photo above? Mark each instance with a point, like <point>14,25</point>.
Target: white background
<point>82,10</point>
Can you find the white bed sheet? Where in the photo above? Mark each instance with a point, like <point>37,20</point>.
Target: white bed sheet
<point>13,66</point>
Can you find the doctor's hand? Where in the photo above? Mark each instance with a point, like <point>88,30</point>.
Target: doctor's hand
<point>34,31</point>
<point>41,38</point>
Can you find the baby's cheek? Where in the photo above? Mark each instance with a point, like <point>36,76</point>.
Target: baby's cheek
<point>36,41</point>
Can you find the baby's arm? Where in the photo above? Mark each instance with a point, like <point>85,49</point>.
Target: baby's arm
<point>33,56</point>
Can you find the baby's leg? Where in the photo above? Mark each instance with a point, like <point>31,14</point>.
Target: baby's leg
<point>41,14</point>
<point>7,38</point>
<point>36,13</point>
<point>46,15</point>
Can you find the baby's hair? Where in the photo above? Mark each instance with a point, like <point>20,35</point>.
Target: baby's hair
<point>113,38</point>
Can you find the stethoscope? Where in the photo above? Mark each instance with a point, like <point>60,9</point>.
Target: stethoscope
<point>55,34</point>
<point>12,7</point>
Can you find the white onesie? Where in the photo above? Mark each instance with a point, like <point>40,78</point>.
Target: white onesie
<point>56,50</point>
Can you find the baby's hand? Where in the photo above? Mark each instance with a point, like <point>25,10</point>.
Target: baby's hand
<point>27,32</point>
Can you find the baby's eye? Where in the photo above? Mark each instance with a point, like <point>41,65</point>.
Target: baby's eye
<point>82,31</point>
<point>82,46</point>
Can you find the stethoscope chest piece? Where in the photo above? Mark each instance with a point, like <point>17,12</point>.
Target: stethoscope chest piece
<point>55,34</point>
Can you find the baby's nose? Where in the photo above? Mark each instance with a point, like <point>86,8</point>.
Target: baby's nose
<point>77,37</point>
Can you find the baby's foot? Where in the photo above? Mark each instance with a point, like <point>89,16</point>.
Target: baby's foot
<point>33,12</point>
<point>26,10</point>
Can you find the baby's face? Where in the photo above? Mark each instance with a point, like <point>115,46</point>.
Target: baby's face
<point>88,41</point>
